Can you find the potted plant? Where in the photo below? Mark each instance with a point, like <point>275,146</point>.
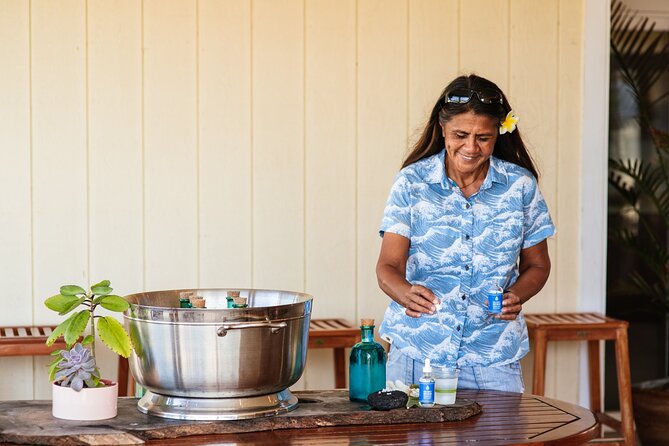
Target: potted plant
<point>79,392</point>
<point>642,59</point>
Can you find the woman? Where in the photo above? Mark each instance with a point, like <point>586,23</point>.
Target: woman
<point>464,215</point>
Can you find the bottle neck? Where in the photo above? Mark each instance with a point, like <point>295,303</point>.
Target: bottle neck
<point>367,333</point>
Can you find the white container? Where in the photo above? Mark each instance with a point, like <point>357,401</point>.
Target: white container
<point>445,385</point>
<point>99,403</point>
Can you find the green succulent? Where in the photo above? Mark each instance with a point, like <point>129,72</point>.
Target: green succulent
<point>73,367</point>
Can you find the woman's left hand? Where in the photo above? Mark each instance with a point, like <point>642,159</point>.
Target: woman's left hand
<point>511,306</point>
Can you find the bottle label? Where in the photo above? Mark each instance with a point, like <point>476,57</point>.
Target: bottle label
<point>426,392</point>
<point>495,301</point>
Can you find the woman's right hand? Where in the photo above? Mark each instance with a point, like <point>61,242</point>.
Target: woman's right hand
<point>390,272</point>
<point>419,300</point>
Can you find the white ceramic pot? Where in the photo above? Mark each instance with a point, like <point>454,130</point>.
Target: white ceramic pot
<point>87,404</point>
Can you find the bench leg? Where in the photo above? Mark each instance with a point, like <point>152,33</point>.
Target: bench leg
<point>340,368</point>
<point>539,378</point>
<point>624,386</point>
<point>594,380</point>
<point>123,377</point>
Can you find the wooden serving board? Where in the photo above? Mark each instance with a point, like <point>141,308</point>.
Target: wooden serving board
<point>31,421</point>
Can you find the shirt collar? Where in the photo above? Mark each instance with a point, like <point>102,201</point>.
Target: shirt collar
<point>435,172</point>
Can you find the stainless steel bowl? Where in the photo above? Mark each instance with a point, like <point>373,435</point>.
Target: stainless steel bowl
<point>218,363</point>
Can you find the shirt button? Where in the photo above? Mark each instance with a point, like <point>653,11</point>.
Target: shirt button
<point>466,267</point>
<point>467,237</point>
<point>458,328</point>
<point>467,206</point>
<point>464,296</point>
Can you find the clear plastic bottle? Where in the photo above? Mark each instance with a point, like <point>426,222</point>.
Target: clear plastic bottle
<point>426,386</point>
<point>367,365</point>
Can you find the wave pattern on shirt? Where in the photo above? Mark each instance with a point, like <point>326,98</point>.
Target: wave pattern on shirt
<point>458,246</point>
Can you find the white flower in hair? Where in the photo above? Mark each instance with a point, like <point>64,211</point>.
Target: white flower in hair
<point>509,124</point>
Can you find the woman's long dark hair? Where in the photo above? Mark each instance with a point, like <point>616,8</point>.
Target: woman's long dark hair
<point>509,146</point>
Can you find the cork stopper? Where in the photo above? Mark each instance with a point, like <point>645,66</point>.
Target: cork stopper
<point>239,300</point>
<point>367,322</point>
<point>198,301</point>
<point>186,294</point>
<point>233,293</point>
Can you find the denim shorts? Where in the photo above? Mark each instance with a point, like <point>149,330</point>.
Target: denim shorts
<point>507,377</point>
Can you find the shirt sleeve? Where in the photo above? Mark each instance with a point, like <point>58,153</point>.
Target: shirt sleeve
<point>538,224</point>
<point>397,214</point>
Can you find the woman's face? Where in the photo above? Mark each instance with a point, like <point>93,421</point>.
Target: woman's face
<point>470,141</point>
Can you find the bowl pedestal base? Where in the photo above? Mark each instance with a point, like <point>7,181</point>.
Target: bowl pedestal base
<point>183,408</point>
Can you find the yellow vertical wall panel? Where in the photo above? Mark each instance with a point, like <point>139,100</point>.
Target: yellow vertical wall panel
<point>567,209</point>
<point>330,155</point>
<point>170,144</point>
<point>224,118</point>
<point>278,144</point>
<point>59,158</point>
<point>433,56</point>
<point>330,126</point>
<point>15,178</point>
<point>15,187</point>
<point>115,151</point>
<point>484,39</point>
<point>533,94</point>
<point>382,134</point>
<point>59,155</point>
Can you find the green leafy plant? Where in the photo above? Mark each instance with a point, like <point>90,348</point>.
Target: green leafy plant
<point>76,366</point>
<point>642,58</point>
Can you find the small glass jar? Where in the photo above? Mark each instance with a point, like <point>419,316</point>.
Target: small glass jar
<point>445,385</point>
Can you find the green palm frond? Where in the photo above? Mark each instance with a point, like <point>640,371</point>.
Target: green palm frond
<point>635,180</point>
<point>655,291</point>
<point>642,57</point>
<point>640,53</point>
<point>651,253</point>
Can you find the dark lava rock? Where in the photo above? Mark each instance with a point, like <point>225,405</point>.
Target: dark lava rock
<point>387,399</point>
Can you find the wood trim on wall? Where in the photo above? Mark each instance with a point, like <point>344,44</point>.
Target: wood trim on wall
<point>594,155</point>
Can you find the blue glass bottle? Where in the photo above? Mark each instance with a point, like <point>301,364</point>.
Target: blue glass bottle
<point>367,365</point>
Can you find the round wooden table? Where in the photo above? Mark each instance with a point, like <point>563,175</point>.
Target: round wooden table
<point>506,419</point>
<point>488,418</point>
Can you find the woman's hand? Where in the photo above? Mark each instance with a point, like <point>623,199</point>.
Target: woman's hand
<point>511,306</point>
<point>418,300</point>
<point>390,272</point>
<point>534,266</point>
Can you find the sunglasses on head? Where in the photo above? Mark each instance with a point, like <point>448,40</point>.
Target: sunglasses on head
<point>462,96</point>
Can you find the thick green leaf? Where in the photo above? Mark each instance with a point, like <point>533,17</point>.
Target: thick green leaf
<point>60,303</point>
<point>114,303</point>
<point>114,336</point>
<point>53,367</point>
<point>88,340</point>
<point>135,339</point>
<point>71,290</point>
<point>60,330</point>
<point>103,283</point>
<point>77,326</point>
<point>100,290</point>
<point>74,305</point>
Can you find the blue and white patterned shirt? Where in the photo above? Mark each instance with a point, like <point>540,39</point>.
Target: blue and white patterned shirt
<point>458,246</point>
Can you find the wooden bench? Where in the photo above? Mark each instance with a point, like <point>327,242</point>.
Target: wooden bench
<point>31,341</point>
<point>338,335</point>
<point>593,328</point>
